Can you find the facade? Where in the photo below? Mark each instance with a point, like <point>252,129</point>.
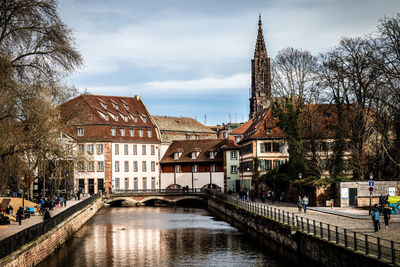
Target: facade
<point>231,165</point>
<point>180,128</point>
<point>117,140</point>
<point>194,163</point>
<point>260,75</point>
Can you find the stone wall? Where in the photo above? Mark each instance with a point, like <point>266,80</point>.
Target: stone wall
<point>37,250</point>
<point>316,249</point>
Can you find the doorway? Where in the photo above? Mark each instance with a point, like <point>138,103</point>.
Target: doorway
<point>81,185</point>
<point>352,197</point>
<point>91,186</point>
<point>100,185</point>
<point>237,186</point>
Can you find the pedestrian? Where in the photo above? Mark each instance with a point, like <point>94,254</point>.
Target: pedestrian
<point>20,212</point>
<point>375,214</point>
<point>386,215</point>
<point>79,195</point>
<point>65,201</point>
<point>46,215</point>
<point>305,203</point>
<point>300,204</point>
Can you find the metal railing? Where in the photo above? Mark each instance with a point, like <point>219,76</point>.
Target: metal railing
<point>383,249</point>
<point>159,191</point>
<point>23,237</point>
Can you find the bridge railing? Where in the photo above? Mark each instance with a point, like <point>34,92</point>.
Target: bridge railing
<point>381,248</point>
<point>25,236</point>
<point>158,191</point>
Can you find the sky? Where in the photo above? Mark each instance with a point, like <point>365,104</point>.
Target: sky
<point>192,58</point>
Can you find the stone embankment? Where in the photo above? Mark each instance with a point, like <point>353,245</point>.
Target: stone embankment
<point>37,250</point>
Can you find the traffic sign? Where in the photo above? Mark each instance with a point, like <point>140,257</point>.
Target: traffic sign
<point>371,189</point>
<point>371,183</point>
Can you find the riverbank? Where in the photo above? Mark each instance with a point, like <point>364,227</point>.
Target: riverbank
<point>35,251</point>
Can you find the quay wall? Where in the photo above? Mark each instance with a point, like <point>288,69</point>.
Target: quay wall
<point>319,250</point>
<point>37,250</point>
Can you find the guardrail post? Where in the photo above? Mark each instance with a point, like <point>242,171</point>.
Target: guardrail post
<point>297,221</point>
<point>379,248</point>
<point>279,215</point>
<point>345,237</point>
<point>321,230</point>
<point>283,216</point>
<point>366,245</point>
<point>302,224</point>
<point>314,228</point>
<point>275,214</point>
<point>329,232</point>
<point>355,241</point>
<point>337,235</point>
<point>393,252</point>
<point>308,226</point>
<point>293,218</point>
<point>288,218</point>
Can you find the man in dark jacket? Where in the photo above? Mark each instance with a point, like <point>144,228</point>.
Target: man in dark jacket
<point>20,212</point>
<point>47,215</point>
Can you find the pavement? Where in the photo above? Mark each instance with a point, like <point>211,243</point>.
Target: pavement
<point>14,227</point>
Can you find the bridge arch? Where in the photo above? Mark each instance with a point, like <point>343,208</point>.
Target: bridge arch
<point>211,186</point>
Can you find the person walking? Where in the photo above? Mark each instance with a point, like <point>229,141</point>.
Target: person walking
<point>375,214</point>
<point>305,203</point>
<point>386,215</point>
<point>19,215</point>
<point>300,204</point>
<point>46,215</point>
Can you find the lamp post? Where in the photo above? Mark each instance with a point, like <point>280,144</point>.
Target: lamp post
<point>371,178</point>
<point>301,188</point>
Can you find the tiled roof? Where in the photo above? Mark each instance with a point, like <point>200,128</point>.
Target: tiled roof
<point>242,128</point>
<point>98,114</point>
<point>186,147</point>
<point>181,124</point>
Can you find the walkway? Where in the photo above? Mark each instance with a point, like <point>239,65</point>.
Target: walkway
<point>14,227</point>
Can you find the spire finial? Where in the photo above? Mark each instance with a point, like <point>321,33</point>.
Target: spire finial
<point>259,20</point>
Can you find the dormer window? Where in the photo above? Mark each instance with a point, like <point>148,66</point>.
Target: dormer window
<point>131,132</point>
<point>116,117</point>
<point>268,131</point>
<point>126,107</point>
<point>104,105</point>
<point>122,130</point>
<point>135,118</point>
<point>144,119</point>
<point>195,154</point>
<point>176,155</point>
<point>113,131</point>
<point>125,118</point>
<point>80,131</point>
<point>213,154</point>
<point>106,117</point>
<point>140,133</point>
<point>116,106</point>
<point>148,133</point>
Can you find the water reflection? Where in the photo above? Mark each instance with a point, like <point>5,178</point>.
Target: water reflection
<point>151,236</point>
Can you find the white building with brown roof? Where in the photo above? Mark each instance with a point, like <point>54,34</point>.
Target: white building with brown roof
<point>119,139</point>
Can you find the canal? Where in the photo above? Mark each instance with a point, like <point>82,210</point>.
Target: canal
<point>162,236</point>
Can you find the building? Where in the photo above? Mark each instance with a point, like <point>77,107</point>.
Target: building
<point>260,75</point>
<point>194,163</point>
<point>231,164</point>
<point>223,130</point>
<point>118,141</point>
<point>180,128</point>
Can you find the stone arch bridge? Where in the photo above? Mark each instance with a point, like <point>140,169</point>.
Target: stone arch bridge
<point>143,197</point>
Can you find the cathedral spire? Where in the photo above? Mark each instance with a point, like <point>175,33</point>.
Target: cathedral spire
<point>260,75</point>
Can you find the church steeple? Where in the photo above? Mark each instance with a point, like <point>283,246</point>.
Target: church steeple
<point>260,75</point>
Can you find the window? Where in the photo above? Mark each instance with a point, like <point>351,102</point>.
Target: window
<point>104,105</point>
<point>144,183</point>
<point>237,139</point>
<point>100,149</point>
<point>116,106</point>
<point>144,119</point>
<point>90,149</point>
<point>81,148</point>
<point>135,166</point>
<point>126,107</point>
<point>265,147</point>
<point>276,164</point>
<point>153,183</point>
<point>132,132</point>
<point>233,155</point>
<point>122,130</point>
<point>81,166</point>
<point>113,131</point>
<point>213,168</point>
<point>115,117</point>
<point>116,183</point>
<point>197,137</point>
<point>126,166</point>
<point>90,166</point>
<point>187,136</point>
<point>116,149</point>
<point>140,133</point>
<point>153,166</point>
<point>69,149</point>
<point>225,135</point>
<point>233,169</point>
<point>125,118</point>
<point>126,183</point>
<point>153,151</point>
<point>195,154</point>
<point>148,133</point>
<point>100,166</point>
<point>268,164</point>
<point>134,149</point>
<point>117,166</point>
<point>106,117</point>
<point>80,131</point>
<point>176,155</point>
<point>125,149</point>
<point>135,183</point>
<point>143,149</point>
<point>135,118</point>
<point>275,147</point>
<point>144,166</point>
<point>268,131</point>
<point>177,168</point>
<point>195,168</point>
<point>212,154</point>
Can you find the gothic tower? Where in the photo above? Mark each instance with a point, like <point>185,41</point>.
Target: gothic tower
<point>260,75</point>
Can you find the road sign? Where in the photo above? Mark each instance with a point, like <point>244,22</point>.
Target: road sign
<point>371,183</point>
<point>371,189</point>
